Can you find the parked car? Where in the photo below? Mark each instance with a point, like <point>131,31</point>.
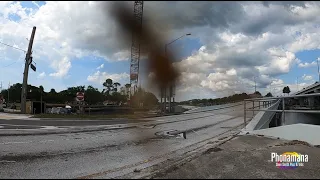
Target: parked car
<point>62,111</point>
<point>54,110</point>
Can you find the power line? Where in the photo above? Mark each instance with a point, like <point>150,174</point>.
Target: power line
<point>13,62</point>
<point>12,46</point>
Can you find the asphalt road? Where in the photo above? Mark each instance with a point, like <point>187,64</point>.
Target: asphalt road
<point>11,121</point>
<point>114,153</point>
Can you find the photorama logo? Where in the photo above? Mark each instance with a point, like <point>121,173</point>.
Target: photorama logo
<point>289,160</point>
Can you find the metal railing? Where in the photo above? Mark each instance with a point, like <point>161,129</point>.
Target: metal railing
<point>268,101</point>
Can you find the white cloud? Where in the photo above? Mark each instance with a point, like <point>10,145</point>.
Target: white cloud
<point>306,64</point>
<point>100,77</point>
<point>307,78</point>
<point>100,67</point>
<point>239,40</point>
<point>42,75</point>
<point>62,67</point>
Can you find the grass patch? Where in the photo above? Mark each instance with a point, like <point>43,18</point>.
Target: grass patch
<point>86,116</point>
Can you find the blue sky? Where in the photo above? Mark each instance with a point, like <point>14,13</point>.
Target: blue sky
<point>275,52</point>
<point>307,56</point>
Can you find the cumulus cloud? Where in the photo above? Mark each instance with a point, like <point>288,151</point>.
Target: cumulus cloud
<point>62,34</point>
<point>306,64</point>
<point>100,77</point>
<point>239,40</point>
<point>307,78</point>
<point>62,67</point>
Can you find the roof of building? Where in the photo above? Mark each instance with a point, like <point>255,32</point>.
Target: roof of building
<point>309,89</point>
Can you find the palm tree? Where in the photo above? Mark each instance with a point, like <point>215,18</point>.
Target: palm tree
<point>109,86</point>
<point>116,85</point>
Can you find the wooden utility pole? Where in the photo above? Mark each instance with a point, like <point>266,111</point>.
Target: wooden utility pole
<point>8,94</point>
<point>255,84</point>
<point>25,73</point>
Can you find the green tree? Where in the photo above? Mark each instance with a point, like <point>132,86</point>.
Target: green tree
<point>109,86</point>
<point>257,92</point>
<point>53,91</point>
<point>41,89</point>
<point>93,96</point>
<point>269,94</point>
<point>147,99</point>
<point>128,86</point>
<point>115,86</point>
<point>286,90</point>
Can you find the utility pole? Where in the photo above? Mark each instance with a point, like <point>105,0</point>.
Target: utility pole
<point>297,84</point>
<point>171,86</point>
<point>165,95</point>
<point>41,102</point>
<point>8,94</point>
<point>255,84</point>
<point>318,70</point>
<point>270,89</point>
<point>26,71</point>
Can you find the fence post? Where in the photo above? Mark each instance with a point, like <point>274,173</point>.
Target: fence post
<point>259,104</point>
<point>244,107</point>
<point>252,108</point>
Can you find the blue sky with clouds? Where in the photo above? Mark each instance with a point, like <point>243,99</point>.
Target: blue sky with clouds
<point>227,48</point>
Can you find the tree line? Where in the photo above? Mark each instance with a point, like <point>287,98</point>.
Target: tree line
<point>93,96</point>
<point>230,99</point>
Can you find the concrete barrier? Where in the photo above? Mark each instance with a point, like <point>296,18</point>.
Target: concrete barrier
<point>262,119</point>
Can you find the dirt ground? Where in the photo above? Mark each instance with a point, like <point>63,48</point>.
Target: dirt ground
<point>247,157</point>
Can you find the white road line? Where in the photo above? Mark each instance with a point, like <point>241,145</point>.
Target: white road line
<point>5,161</point>
<point>18,125</point>
<point>5,143</point>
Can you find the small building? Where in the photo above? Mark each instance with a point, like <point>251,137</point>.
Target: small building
<point>34,107</point>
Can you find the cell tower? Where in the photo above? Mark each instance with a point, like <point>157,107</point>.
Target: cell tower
<point>135,47</point>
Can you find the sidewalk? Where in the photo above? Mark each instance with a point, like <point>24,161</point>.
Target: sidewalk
<point>248,157</point>
<point>13,116</point>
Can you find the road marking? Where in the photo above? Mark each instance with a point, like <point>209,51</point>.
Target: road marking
<point>5,143</point>
<point>18,125</point>
<point>5,161</point>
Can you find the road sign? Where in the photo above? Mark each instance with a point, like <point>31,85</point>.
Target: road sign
<point>80,96</point>
<point>33,67</point>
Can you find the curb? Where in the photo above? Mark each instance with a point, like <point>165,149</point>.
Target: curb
<point>41,132</point>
